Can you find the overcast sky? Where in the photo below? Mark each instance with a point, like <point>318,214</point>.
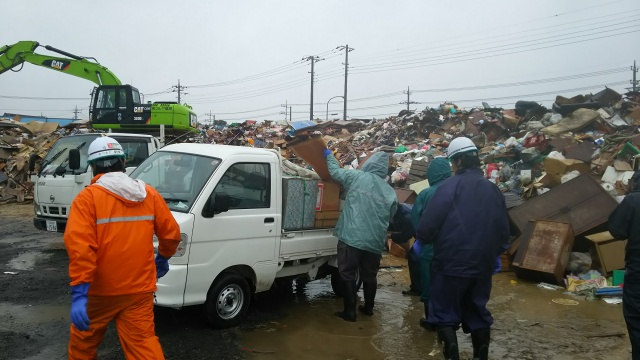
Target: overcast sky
<point>242,60</point>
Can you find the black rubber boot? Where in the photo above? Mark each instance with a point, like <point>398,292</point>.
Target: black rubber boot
<point>369,291</point>
<point>450,347</point>
<point>349,297</point>
<point>423,322</point>
<point>480,340</point>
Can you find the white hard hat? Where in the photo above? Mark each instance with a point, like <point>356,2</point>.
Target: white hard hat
<point>460,145</point>
<point>104,147</point>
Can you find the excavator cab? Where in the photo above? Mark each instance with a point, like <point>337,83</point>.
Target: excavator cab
<point>118,105</point>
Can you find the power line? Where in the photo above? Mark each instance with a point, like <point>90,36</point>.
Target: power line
<point>492,50</point>
<point>445,61</point>
<point>430,47</point>
<point>39,98</point>
<point>531,95</point>
<point>529,82</point>
<point>453,60</point>
<point>291,66</point>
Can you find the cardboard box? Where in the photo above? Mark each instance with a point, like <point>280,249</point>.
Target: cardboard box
<point>406,196</point>
<point>309,149</point>
<point>555,168</point>
<point>397,250</point>
<point>327,215</point>
<point>607,253</point>
<point>328,196</point>
<point>325,223</point>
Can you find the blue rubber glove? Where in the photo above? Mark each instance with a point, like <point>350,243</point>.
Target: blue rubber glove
<point>417,246</point>
<point>498,265</point>
<point>162,266</point>
<point>326,152</point>
<point>79,298</point>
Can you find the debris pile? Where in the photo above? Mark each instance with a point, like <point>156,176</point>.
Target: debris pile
<point>530,152</point>
<point>18,141</point>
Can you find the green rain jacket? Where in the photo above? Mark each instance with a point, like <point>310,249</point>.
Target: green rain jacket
<point>369,205</point>
<point>437,172</point>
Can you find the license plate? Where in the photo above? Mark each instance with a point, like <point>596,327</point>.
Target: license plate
<point>52,226</point>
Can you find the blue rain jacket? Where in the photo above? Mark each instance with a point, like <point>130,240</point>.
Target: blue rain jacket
<point>370,203</point>
<point>438,171</point>
<point>467,222</point>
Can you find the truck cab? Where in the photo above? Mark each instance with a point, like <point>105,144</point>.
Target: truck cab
<point>228,201</point>
<point>56,184</point>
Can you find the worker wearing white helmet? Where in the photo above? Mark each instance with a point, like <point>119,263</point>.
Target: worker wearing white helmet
<point>466,221</point>
<point>105,152</point>
<point>109,239</point>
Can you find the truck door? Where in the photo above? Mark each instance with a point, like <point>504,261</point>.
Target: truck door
<point>244,237</point>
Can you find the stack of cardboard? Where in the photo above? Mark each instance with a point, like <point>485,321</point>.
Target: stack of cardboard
<point>327,205</point>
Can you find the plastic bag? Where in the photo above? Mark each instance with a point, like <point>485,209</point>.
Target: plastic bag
<point>569,176</point>
<point>579,263</point>
<point>556,155</point>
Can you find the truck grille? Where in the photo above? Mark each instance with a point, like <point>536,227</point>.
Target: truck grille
<point>54,210</point>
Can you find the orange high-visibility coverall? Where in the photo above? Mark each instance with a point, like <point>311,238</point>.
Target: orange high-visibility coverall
<point>109,239</point>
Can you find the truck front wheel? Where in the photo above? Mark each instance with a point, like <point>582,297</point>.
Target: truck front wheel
<point>227,301</point>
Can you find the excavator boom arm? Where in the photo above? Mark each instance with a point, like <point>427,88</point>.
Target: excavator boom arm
<point>23,51</point>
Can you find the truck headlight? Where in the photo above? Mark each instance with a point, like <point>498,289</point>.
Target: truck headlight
<point>180,250</point>
<point>36,208</point>
<point>182,246</point>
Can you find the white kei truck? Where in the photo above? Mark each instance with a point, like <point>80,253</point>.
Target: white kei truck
<point>228,201</point>
<point>64,172</point>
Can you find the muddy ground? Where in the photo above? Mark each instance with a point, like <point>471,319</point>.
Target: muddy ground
<point>294,322</point>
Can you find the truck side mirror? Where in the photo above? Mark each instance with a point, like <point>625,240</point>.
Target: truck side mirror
<point>74,159</point>
<point>216,204</point>
<point>32,162</point>
<point>221,203</point>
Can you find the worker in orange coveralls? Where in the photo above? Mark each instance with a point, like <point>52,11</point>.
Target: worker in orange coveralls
<point>109,239</point>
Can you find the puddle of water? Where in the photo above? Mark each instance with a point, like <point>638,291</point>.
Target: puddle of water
<point>26,260</point>
<point>526,322</point>
<point>36,314</point>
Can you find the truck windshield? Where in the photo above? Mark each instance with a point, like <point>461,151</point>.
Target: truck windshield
<point>58,155</point>
<point>178,177</point>
<point>135,149</point>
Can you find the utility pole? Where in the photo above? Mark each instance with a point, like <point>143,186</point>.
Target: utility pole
<point>346,71</point>
<point>179,89</point>
<point>289,113</point>
<point>634,82</point>
<point>313,59</point>
<point>408,102</point>
<point>211,116</point>
<point>75,113</point>
<point>286,108</point>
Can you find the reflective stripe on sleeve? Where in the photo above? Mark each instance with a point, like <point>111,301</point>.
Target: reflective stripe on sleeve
<point>124,219</point>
